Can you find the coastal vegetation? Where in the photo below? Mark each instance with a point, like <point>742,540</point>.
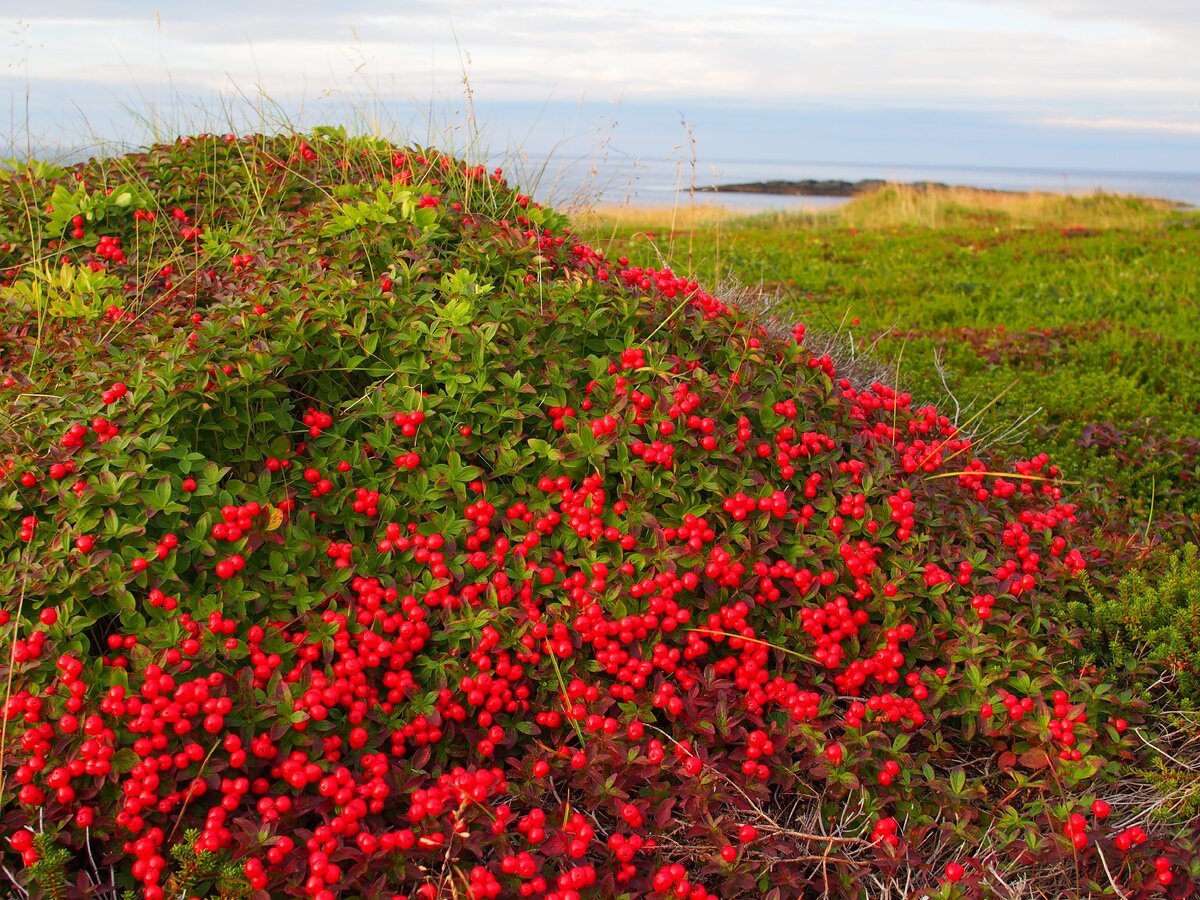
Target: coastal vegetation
<point>372,530</point>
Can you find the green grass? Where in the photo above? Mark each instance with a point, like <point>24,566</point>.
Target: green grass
<point>1094,324</point>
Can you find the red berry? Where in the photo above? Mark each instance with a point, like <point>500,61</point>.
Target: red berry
<point>954,872</point>
<point>21,840</point>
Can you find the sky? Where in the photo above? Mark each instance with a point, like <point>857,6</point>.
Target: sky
<point>1069,84</point>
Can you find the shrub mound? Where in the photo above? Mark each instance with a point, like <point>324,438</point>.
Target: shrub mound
<point>366,534</point>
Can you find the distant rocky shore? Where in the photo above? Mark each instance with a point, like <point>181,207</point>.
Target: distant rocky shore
<point>817,188</point>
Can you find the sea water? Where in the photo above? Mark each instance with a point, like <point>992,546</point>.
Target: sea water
<point>572,181</point>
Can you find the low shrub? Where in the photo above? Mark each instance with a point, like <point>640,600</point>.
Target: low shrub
<point>1151,625</point>
<point>1089,326</point>
<point>368,534</point>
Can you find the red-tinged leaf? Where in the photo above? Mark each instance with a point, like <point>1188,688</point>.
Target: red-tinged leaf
<point>1035,758</point>
<point>662,813</point>
<point>421,757</point>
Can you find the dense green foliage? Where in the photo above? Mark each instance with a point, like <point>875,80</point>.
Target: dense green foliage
<point>1151,622</point>
<point>368,533</point>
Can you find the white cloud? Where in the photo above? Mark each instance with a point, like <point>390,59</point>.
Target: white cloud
<point>1118,124</point>
<point>1168,16</point>
<point>1100,60</point>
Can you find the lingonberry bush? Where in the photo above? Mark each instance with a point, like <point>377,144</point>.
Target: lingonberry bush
<point>367,534</point>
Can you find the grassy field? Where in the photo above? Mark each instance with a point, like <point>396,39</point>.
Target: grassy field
<point>1075,318</point>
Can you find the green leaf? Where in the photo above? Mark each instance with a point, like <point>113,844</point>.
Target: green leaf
<point>958,780</point>
<point>544,450</point>
<point>124,760</point>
